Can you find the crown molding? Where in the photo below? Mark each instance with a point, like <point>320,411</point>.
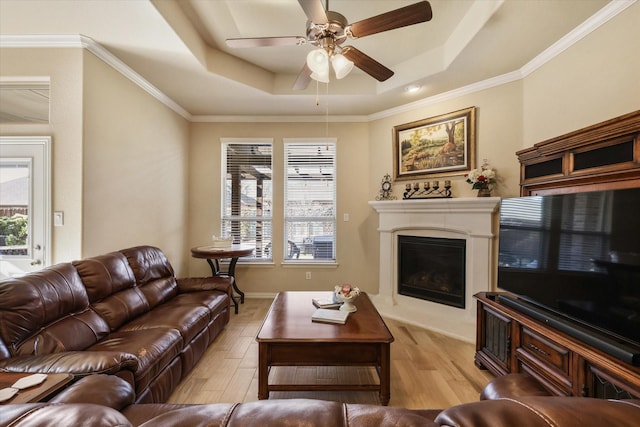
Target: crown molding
<point>601,17</point>
<point>41,40</point>
<point>136,78</point>
<point>446,96</point>
<point>84,42</point>
<point>280,119</point>
<point>587,27</point>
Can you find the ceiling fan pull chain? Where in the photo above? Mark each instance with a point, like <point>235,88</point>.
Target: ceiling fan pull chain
<point>327,113</point>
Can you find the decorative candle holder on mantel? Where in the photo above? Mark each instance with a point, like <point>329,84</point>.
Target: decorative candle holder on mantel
<point>427,191</point>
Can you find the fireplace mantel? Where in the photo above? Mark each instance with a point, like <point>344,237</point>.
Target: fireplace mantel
<point>474,219</point>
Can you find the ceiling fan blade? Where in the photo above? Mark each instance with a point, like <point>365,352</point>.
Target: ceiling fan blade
<point>367,64</point>
<point>408,15</point>
<point>266,41</point>
<point>314,11</point>
<point>304,78</point>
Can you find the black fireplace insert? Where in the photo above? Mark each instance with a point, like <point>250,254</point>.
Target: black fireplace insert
<point>432,269</point>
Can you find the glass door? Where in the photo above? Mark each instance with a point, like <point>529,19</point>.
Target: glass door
<point>24,204</point>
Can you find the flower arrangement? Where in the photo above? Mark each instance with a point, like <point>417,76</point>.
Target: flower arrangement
<point>483,178</point>
<point>347,294</point>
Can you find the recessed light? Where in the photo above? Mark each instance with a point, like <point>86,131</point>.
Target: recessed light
<point>412,88</point>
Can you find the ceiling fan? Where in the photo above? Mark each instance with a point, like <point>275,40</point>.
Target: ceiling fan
<point>328,30</point>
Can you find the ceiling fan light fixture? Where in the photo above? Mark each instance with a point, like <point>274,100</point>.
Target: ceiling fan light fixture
<point>321,77</point>
<point>318,61</point>
<point>341,65</point>
<point>327,30</point>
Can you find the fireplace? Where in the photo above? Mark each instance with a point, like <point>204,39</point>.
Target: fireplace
<point>432,269</point>
<point>470,222</point>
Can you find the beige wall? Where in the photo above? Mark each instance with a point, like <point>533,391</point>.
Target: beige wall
<point>134,167</point>
<point>64,67</point>
<point>596,79</point>
<point>120,157</point>
<point>353,237</point>
<point>498,136</point>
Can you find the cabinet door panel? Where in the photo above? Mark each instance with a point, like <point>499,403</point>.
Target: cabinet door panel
<point>602,385</point>
<point>498,336</point>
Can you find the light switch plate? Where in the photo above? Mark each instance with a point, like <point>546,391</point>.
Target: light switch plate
<point>58,219</point>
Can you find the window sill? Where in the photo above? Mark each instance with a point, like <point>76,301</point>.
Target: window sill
<point>309,263</point>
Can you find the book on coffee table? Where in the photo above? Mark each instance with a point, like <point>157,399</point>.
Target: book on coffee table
<point>327,315</point>
<point>326,303</point>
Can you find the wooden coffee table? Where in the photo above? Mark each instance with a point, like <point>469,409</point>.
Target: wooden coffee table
<point>288,337</point>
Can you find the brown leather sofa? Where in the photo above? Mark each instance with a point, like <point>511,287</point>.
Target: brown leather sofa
<point>122,313</point>
<point>106,400</point>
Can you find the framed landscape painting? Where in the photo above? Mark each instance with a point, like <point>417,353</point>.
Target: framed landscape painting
<point>437,146</point>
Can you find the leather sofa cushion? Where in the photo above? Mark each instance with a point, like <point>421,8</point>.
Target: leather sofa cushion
<point>190,320</point>
<point>153,272</point>
<point>112,289</point>
<point>365,415</point>
<point>212,415</point>
<point>122,307</point>
<point>276,413</point>
<point>104,275</point>
<point>29,304</point>
<point>71,333</point>
<point>214,301</point>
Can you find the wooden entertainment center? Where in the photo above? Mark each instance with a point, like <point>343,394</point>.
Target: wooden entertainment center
<point>510,339</point>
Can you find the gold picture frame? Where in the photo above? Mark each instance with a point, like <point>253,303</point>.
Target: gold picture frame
<point>443,145</point>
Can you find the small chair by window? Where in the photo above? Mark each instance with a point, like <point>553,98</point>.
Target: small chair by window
<point>293,251</point>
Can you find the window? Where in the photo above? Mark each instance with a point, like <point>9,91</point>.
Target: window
<point>310,200</point>
<point>248,194</point>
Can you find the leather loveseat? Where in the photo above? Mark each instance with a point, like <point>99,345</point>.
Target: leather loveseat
<point>123,313</point>
<point>104,400</point>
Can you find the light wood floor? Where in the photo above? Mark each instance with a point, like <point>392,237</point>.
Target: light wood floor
<point>428,370</point>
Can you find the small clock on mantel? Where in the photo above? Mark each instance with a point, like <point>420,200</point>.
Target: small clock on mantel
<point>385,189</point>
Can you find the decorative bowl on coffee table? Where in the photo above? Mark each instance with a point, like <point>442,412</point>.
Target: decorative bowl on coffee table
<point>347,295</point>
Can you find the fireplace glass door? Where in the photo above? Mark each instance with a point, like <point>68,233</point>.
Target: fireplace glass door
<point>432,269</point>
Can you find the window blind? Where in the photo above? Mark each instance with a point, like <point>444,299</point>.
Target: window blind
<point>248,195</point>
<point>310,200</point>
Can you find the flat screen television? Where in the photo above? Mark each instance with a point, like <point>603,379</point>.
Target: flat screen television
<point>576,257</point>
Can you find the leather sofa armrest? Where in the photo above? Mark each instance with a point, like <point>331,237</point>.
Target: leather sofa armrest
<point>49,414</point>
<point>542,411</point>
<point>197,284</point>
<point>513,385</point>
<point>105,390</point>
<point>78,363</point>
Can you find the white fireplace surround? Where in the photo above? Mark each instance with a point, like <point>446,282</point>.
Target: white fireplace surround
<point>473,219</point>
